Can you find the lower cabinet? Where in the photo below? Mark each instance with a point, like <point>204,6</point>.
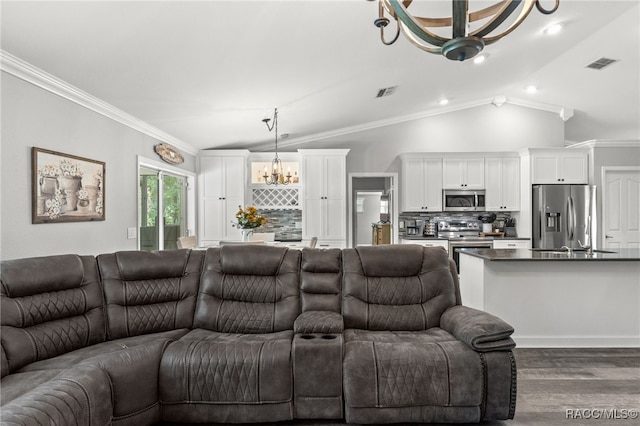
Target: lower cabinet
<point>511,244</point>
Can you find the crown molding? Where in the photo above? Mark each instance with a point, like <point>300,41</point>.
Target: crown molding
<point>25,71</point>
<point>607,143</point>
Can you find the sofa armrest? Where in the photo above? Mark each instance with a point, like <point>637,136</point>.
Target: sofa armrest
<point>478,329</point>
<point>326,322</point>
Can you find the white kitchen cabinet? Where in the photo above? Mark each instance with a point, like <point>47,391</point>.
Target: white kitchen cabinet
<point>463,173</point>
<point>502,180</point>
<point>428,243</point>
<point>421,184</point>
<point>222,184</point>
<point>511,244</point>
<point>561,166</point>
<point>324,209</point>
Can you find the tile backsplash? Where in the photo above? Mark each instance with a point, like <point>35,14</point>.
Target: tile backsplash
<point>285,223</point>
<point>437,216</point>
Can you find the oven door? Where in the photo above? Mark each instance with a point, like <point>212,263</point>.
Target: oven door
<point>455,246</point>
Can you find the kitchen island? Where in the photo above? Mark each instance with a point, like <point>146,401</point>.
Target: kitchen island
<point>556,299</point>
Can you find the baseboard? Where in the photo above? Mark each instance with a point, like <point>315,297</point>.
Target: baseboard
<point>576,342</point>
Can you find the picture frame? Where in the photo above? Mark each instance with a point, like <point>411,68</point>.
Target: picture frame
<point>66,188</point>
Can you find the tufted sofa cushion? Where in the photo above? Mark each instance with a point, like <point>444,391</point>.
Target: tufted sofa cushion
<point>249,289</point>
<point>49,306</point>
<point>399,287</point>
<point>149,292</point>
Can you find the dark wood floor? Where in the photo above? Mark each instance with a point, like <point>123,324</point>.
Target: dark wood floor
<point>552,381</point>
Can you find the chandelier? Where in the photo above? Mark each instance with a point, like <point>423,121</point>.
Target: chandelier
<point>277,175</point>
<point>464,43</point>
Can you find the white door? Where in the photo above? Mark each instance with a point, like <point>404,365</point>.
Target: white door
<point>621,208</point>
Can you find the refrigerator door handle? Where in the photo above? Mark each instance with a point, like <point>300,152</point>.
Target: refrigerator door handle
<point>571,219</point>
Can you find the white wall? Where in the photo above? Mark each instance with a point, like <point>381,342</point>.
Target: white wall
<point>31,117</point>
<point>483,128</point>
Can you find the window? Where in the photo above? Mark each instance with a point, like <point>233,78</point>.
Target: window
<point>164,198</point>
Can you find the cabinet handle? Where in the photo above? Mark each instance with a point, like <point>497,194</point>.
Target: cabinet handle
<point>511,245</point>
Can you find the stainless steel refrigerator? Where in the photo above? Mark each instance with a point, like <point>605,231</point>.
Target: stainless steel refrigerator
<point>564,215</point>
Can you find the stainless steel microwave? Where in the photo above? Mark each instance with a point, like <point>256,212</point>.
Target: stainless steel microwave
<point>466,200</point>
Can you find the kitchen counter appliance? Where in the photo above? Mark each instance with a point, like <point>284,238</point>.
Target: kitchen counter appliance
<point>462,233</point>
<point>456,200</point>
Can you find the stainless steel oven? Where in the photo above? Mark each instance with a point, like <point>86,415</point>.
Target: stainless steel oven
<point>455,200</point>
<point>462,232</point>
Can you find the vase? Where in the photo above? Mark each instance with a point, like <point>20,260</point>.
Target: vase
<point>92,190</point>
<point>48,185</point>
<point>71,185</point>
<point>83,206</point>
<point>246,233</point>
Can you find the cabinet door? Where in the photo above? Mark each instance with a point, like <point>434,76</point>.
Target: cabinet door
<point>234,177</point>
<point>494,183</point>
<point>210,222</point>
<point>473,173</point>
<point>432,184</point>
<point>544,169</point>
<point>335,219</point>
<point>313,177</point>
<point>335,177</point>
<point>573,168</point>
<point>510,184</point>
<point>413,183</point>
<point>212,172</point>
<point>452,173</point>
<point>312,218</point>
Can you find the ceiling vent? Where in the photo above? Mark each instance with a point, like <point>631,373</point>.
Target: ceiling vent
<point>601,63</point>
<point>386,91</point>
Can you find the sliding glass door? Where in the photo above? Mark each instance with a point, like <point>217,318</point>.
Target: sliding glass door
<point>163,209</point>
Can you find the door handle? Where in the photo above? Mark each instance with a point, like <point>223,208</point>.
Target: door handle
<point>608,236</point>
<point>571,219</point>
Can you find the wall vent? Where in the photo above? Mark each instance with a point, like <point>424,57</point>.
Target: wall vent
<point>601,63</point>
<point>386,91</point>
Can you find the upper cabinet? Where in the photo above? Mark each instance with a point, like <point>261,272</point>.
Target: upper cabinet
<point>324,209</point>
<point>559,166</point>
<point>502,179</point>
<point>222,185</point>
<point>421,184</point>
<point>463,173</point>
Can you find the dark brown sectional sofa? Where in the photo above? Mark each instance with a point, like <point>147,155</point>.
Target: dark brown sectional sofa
<point>244,334</point>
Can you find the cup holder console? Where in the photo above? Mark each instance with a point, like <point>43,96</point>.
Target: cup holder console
<point>313,336</point>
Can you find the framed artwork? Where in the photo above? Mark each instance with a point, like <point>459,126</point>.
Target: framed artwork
<point>66,188</point>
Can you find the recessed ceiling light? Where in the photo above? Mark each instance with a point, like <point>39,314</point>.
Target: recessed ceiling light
<point>531,89</point>
<point>553,29</point>
<point>444,101</point>
<point>479,59</point>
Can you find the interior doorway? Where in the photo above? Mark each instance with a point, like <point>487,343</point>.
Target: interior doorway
<point>372,199</point>
<point>621,207</point>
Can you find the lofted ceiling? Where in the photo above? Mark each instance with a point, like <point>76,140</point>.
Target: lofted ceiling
<point>207,72</point>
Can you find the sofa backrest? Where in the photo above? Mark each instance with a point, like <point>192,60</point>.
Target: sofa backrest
<point>49,306</point>
<point>399,287</point>
<point>148,292</point>
<point>321,280</point>
<point>249,289</point>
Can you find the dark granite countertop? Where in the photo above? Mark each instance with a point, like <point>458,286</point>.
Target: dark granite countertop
<point>529,255</point>
<point>416,237</point>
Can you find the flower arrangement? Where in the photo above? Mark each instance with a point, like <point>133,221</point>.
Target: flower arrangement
<point>55,204</point>
<point>83,194</point>
<point>49,170</point>
<point>249,218</point>
<point>67,168</point>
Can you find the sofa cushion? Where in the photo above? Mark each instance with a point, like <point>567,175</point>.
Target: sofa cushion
<point>249,289</point>
<point>393,370</point>
<point>149,292</point>
<point>396,287</point>
<point>321,280</point>
<point>17,384</point>
<point>49,306</point>
<point>72,358</point>
<point>78,396</point>
<point>222,377</point>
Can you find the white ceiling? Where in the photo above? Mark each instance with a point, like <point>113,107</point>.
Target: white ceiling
<point>208,72</point>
